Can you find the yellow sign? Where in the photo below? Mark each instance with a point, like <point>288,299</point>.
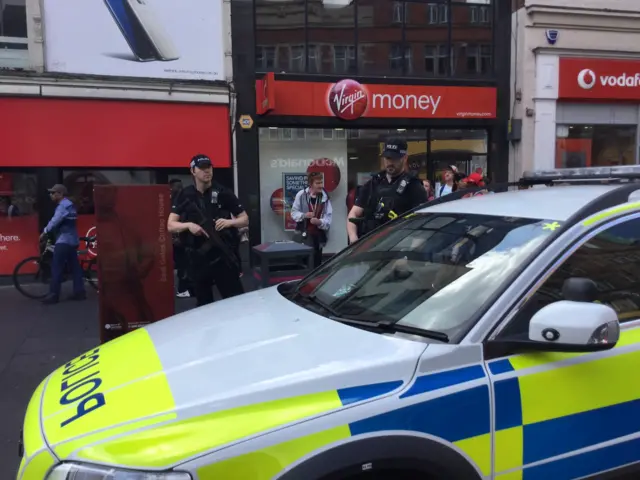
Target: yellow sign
<point>551,226</point>
<point>246,122</point>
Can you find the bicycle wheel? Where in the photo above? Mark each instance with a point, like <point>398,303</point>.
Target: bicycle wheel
<point>91,273</point>
<point>31,278</point>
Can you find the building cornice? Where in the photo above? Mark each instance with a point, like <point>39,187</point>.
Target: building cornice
<point>604,19</point>
<point>144,90</point>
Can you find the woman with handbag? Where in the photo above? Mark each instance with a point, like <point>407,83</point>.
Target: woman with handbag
<point>311,210</point>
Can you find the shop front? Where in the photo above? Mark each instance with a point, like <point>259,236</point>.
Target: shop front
<point>338,129</point>
<point>592,108</point>
<point>82,143</point>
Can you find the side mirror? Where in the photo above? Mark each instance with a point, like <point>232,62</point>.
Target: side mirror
<point>568,326</point>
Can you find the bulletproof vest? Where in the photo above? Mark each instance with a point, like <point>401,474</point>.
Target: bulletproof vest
<point>387,200</point>
<point>213,211</point>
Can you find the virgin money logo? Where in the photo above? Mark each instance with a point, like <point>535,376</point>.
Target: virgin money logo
<point>586,79</point>
<point>348,99</point>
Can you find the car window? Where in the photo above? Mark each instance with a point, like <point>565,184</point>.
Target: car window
<point>611,259</point>
<point>431,271</point>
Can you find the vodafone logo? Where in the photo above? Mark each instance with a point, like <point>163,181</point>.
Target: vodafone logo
<point>348,99</point>
<point>586,79</point>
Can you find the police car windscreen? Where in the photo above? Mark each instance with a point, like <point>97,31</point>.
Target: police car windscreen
<point>432,271</point>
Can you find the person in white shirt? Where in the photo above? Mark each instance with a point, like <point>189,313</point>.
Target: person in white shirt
<point>450,184</point>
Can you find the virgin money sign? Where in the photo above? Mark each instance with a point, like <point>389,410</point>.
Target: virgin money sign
<point>599,79</point>
<point>350,100</point>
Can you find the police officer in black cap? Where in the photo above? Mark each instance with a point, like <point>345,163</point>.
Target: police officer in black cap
<point>201,213</point>
<point>388,194</point>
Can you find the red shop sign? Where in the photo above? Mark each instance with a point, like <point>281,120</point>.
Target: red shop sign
<point>350,100</point>
<point>599,79</point>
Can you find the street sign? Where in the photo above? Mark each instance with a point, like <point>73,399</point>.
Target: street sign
<point>246,122</point>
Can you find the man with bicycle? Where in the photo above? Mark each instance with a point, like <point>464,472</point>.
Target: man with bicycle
<point>63,228</point>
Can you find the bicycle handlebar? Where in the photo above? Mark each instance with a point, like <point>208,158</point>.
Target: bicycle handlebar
<point>91,239</point>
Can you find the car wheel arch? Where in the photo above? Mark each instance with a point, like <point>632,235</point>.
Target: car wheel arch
<point>382,450</point>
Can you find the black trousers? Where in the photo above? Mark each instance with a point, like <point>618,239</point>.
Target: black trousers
<point>224,277</point>
<point>314,242</point>
<point>181,262</point>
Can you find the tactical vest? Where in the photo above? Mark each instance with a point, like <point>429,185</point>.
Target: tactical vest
<point>213,210</point>
<point>387,201</point>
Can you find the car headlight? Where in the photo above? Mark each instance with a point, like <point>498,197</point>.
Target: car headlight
<point>77,471</point>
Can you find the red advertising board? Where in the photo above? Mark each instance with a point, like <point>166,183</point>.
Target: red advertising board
<point>599,79</point>
<point>135,265</point>
<point>45,132</point>
<point>350,100</point>
<point>18,240</point>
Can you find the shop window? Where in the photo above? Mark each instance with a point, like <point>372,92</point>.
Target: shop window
<point>335,27</point>
<point>438,13</point>
<point>265,58</point>
<point>18,218</point>
<point>278,23</point>
<point>357,39</point>
<point>400,59</point>
<point>344,59</point>
<point>595,145</point>
<point>14,52</point>
<point>472,38</point>
<point>436,59</point>
<point>400,13</point>
<point>347,158</point>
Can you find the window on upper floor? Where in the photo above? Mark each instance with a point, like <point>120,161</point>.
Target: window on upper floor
<point>14,49</point>
<point>378,37</point>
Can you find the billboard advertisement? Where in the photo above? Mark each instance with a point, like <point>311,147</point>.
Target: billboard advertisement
<point>164,39</point>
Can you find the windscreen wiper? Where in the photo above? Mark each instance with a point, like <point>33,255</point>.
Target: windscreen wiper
<point>392,327</point>
<point>311,298</point>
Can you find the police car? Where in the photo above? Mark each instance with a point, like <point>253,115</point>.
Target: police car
<point>496,336</point>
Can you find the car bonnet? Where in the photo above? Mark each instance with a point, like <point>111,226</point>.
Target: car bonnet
<point>215,375</point>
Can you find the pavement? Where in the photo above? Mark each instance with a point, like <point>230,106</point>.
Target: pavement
<point>36,339</point>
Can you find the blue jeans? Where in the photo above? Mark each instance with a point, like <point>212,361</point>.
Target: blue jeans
<point>65,254</point>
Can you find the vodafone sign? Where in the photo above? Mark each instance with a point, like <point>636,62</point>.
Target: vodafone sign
<point>599,79</point>
<point>350,100</point>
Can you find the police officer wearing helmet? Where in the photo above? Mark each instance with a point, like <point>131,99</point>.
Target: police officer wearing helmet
<point>201,214</point>
<point>388,194</point>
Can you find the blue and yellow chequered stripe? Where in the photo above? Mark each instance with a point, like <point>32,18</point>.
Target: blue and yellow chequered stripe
<point>555,411</point>
<point>463,418</point>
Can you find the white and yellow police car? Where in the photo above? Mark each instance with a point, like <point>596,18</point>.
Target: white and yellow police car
<point>496,336</point>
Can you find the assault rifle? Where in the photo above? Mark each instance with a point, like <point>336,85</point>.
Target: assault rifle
<point>214,240</point>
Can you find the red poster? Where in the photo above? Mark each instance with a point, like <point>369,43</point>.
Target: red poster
<point>18,240</point>
<point>135,265</point>
<point>599,79</point>
<point>350,100</point>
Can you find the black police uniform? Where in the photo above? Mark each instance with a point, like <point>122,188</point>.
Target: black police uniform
<point>383,200</point>
<point>206,269</point>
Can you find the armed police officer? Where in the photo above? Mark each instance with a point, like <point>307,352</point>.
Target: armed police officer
<point>202,215</point>
<point>388,194</point>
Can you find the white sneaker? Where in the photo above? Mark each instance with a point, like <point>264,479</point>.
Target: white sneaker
<point>183,294</point>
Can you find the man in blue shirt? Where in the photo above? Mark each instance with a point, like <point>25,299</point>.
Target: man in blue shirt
<point>63,227</point>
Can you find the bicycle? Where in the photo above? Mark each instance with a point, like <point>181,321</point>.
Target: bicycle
<point>36,271</point>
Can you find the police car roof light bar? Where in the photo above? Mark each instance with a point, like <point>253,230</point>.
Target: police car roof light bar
<point>582,175</point>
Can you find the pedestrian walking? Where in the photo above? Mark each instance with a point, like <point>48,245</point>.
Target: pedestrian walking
<point>63,227</point>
